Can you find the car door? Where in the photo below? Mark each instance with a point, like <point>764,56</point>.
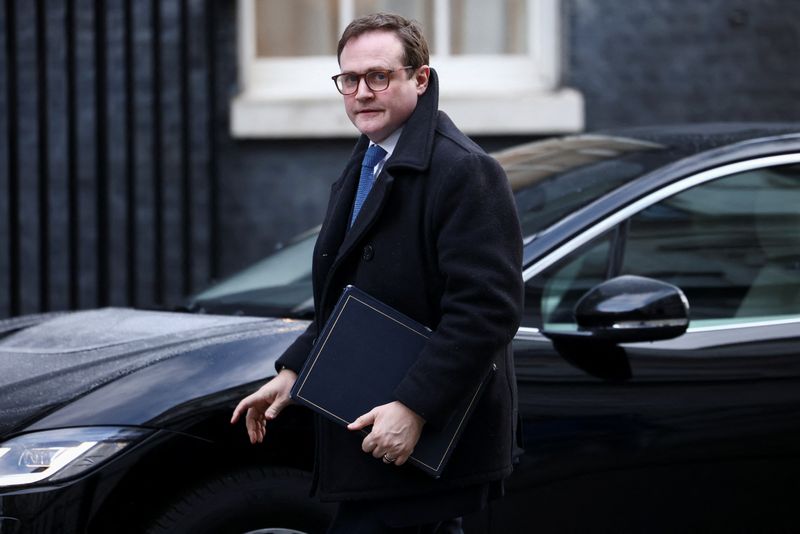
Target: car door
<point>700,431</point>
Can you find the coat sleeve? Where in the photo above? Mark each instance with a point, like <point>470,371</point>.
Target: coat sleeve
<point>295,355</point>
<point>478,243</point>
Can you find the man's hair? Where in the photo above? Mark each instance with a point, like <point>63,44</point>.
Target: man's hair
<point>415,47</point>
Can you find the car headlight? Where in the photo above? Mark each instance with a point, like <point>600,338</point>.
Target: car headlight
<point>53,455</point>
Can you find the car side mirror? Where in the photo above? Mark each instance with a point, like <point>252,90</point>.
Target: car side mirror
<point>633,308</point>
<point>625,309</point>
<point>628,309</point>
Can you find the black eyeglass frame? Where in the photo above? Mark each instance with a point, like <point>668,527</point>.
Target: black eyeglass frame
<point>365,77</point>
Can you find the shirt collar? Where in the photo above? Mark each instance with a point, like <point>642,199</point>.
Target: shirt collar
<point>390,142</point>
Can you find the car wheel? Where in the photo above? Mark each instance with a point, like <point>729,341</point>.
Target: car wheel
<point>256,501</point>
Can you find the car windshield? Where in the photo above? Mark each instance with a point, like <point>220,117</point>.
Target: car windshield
<point>278,285</point>
<point>550,179</point>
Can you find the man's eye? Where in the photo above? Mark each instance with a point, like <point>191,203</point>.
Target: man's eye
<point>378,76</point>
<point>350,79</point>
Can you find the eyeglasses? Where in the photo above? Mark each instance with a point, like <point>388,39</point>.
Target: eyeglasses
<point>377,80</point>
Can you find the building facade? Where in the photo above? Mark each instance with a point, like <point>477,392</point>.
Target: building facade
<point>148,147</point>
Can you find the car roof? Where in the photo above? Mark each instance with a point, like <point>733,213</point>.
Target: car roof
<point>686,149</point>
<point>699,137</point>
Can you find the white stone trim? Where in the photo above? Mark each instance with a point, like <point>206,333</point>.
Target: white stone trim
<point>490,95</point>
<point>536,113</point>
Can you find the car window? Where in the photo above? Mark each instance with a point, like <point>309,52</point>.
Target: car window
<point>732,245</point>
<point>551,296</point>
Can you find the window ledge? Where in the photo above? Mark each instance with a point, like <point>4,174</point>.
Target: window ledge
<point>545,113</point>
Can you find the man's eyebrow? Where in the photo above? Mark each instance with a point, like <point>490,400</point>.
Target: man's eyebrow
<point>369,69</point>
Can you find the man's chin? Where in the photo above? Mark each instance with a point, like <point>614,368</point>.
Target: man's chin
<point>376,133</point>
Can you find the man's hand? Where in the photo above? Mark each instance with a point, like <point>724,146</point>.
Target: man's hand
<point>265,404</point>
<point>395,432</point>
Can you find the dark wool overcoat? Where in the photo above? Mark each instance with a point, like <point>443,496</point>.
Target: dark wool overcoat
<point>438,238</point>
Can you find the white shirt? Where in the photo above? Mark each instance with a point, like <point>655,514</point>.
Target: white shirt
<point>388,145</point>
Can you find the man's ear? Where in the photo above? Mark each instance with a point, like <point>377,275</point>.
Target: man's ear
<point>422,76</point>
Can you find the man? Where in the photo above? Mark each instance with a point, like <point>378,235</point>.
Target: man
<point>437,237</point>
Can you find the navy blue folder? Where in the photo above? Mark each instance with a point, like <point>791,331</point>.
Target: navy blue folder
<point>361,355</point>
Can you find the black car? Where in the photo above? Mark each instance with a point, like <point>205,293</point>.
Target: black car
<point>658,363</point>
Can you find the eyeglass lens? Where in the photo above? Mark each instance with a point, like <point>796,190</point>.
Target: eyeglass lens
<point>377,80</point>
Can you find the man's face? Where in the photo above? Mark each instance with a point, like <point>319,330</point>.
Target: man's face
<point>378,114</point>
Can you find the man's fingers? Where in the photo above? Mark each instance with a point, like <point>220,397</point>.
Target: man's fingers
<point>256,426</point>
<point>264,405</point>
<point>256,434</point>
<point>395,432</point>
<point>276,407</point>
<point>363,421</point>
<point>241,407</point>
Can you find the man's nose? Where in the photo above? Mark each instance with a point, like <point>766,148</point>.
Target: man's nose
<point>363,91</point>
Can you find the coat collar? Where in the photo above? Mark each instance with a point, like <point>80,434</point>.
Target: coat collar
<point>415,146</point>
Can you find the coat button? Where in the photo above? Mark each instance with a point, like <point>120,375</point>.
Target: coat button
<point>368,253</point>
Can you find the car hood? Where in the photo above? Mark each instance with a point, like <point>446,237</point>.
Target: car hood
<point>45,366</point>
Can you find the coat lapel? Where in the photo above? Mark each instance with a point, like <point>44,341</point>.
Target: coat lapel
<point>336,221</point>
<point>340,240</point>
<point>369,213</point>
<point>334,227</point>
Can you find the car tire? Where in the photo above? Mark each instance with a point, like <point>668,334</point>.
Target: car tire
<point>265,500</point>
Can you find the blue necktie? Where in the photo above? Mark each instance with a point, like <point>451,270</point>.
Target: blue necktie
<point>371,158</point>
